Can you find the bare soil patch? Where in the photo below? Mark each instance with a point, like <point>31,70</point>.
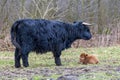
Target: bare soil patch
<point>29,73</point>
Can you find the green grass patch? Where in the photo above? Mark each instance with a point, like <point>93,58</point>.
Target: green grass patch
<point>108,56</point>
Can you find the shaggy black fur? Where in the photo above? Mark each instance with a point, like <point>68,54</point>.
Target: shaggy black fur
<point>42,35</point>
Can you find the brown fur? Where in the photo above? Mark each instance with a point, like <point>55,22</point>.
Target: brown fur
<point>88,59</point>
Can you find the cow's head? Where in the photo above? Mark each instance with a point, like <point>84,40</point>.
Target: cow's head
<point>83,30</point>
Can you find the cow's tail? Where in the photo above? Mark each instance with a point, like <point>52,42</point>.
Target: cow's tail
<point>13,34</point>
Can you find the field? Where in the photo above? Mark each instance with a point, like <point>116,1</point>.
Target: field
<point>42,66</point>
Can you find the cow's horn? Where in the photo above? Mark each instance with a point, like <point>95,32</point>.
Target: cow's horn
<point>88,24</point>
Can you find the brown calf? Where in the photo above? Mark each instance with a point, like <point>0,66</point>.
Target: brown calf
<point>88,59</point>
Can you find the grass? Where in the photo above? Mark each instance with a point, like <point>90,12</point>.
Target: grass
<point>106,70</point>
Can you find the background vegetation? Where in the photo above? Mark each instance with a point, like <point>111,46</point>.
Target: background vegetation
<point>103,14</point>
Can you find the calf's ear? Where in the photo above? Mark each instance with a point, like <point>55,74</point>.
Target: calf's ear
<point>87,24</point>
<point>86,54</point>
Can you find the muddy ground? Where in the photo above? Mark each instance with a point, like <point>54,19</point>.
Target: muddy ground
<point>29,73</point>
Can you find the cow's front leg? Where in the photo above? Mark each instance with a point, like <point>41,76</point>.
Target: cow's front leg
<point>57,58</point>
<point>58,61</point>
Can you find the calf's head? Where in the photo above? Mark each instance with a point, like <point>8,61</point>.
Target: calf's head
<point>83,57</point>
<point>83,31</point>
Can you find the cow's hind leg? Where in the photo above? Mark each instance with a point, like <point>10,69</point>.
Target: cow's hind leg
<point>17,58</point>
<point>25,53</point>
<point>25,60</point>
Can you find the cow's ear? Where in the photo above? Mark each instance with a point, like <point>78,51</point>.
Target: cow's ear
<point>75,22</point>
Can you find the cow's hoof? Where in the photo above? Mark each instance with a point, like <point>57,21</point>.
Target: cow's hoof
<point>17,66</point>
<point>58,64</point>
<point>26,65</point>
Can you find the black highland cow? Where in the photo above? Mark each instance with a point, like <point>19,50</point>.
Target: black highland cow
<point>42,35</point>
